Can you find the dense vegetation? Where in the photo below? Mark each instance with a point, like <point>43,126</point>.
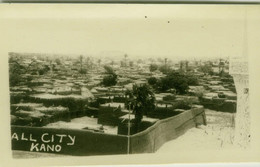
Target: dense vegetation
<point>140,100</point>
<point>174,80</point>
<point>111,78</point>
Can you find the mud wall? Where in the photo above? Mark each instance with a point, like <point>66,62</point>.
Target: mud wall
<point>84,142</point>
<point>67,141</point>
<point>165,130</point>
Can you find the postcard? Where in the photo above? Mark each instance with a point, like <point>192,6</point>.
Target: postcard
<point>110,84</point>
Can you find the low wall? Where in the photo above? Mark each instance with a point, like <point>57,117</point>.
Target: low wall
<point>162,112</point>
<point>108,115</point>
<point>67,141</point>
<point>76,106</point>
<point>164,130</point>
<point>83,142</point>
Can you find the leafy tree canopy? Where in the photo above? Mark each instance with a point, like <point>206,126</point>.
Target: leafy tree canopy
<point>165,69</point>
<point>152,80</point>
<point>141,100</point>
<point>109,70</point>
<point>111,78</point>
<point>178,81</point>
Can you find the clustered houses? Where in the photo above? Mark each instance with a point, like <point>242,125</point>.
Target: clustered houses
<point>58,91</point>
<point>219,94</point>
<point>218,91</point>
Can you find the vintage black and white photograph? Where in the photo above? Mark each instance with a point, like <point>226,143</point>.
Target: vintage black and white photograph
<point>128,79</point>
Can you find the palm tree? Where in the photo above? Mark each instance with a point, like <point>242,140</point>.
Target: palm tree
<point>112,63</point>
<point>165,61</point>
<point>99,61</point>
<point>80,61</point>
<point>140,100</point>
<point>88,62</point>
<point>125,58</point>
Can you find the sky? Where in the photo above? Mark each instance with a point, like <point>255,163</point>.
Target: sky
<point>138,30</point>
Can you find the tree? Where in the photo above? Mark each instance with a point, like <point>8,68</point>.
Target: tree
<point>165,69</point>
<point>80,61</point>
<point>152,80</point>
<point>112,63</point>
<point>111,78</point>
<point>165,61</point>
<point>131,63</point>
<point>139,61</point>
<point>14,78</point>
<point>192,80</point>
<point>99,62</point>
<point>176,80</point>
<point>140,100</point>
<point>44,70</point>
<point>89,63</point>
<point>16,70</point>
<point>206,69</point>
<point>125,58</point>
<point>58,61</point>
<point>109,70</point>
<point>122,64</point>
<point>82,70</point>
<point>153,67</point>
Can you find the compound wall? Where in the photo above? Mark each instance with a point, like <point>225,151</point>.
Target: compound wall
<point>164,130</point>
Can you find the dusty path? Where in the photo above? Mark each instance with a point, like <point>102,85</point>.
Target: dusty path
<point>217,134</point>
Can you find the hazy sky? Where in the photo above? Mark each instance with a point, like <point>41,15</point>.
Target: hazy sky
<point>156,30</point>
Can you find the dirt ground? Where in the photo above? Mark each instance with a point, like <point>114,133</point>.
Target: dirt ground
<point>217,134</point>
